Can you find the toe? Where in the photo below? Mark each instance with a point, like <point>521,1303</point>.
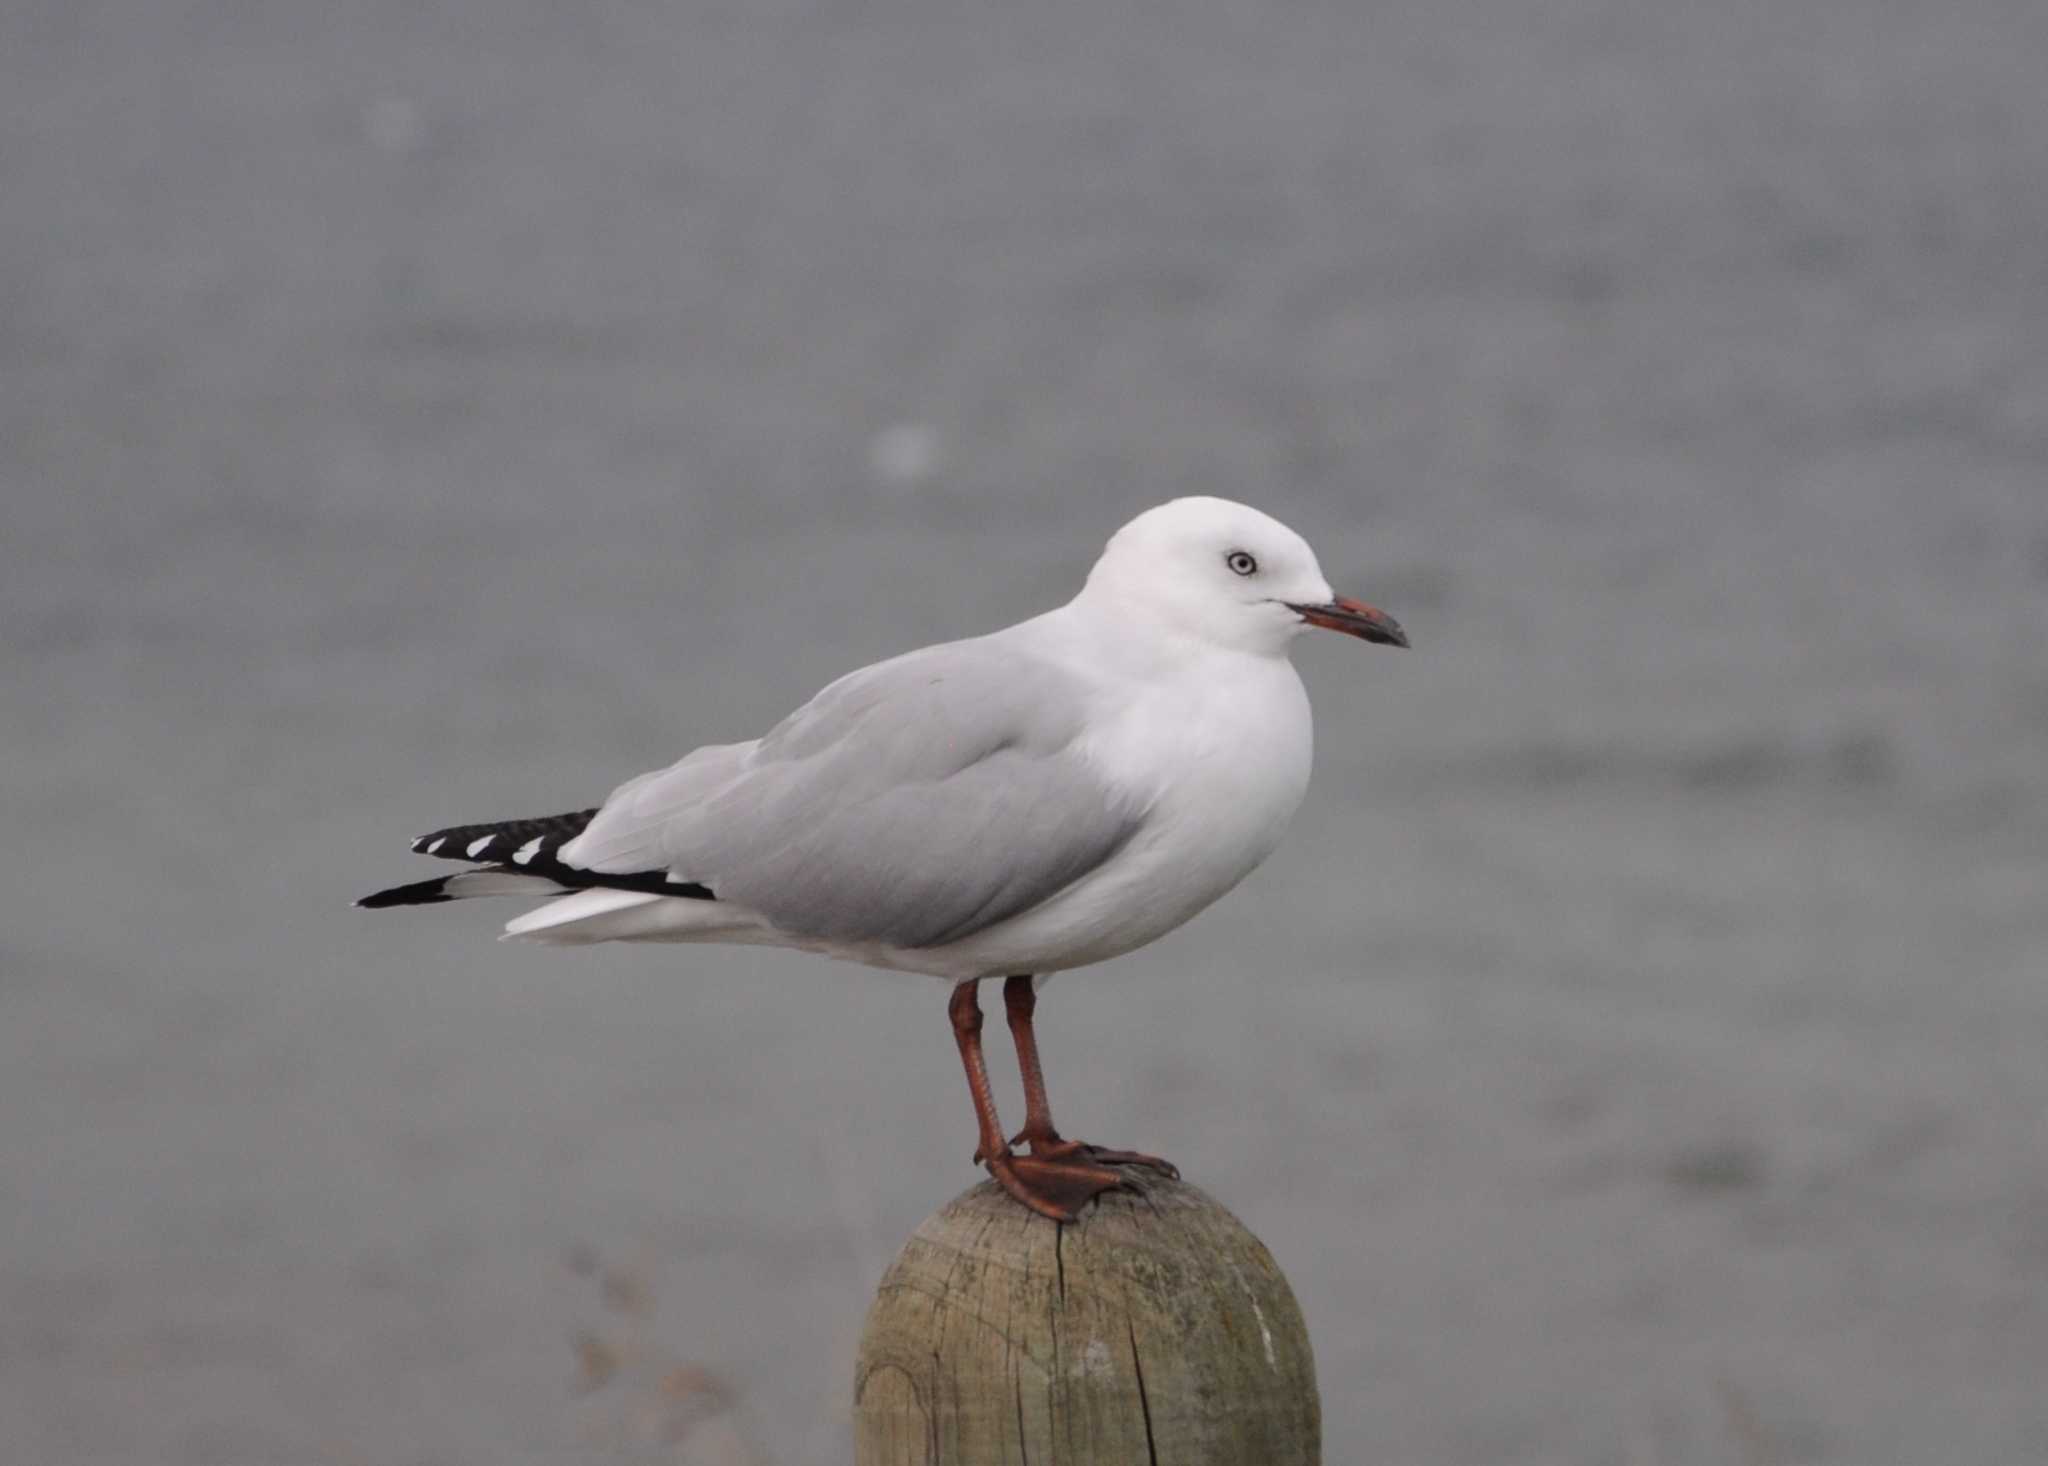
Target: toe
<point>1031,1192</point>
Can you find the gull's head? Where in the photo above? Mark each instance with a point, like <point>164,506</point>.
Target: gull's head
<point>1225,573</point>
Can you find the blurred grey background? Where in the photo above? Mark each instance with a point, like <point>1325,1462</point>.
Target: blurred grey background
<point>436,411</point>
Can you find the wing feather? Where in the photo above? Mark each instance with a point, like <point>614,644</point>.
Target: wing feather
<point>912,803</point>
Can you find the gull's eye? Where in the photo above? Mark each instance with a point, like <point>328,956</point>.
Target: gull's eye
<point>1241,563</point>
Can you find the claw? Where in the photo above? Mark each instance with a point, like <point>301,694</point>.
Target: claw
<point>1131,1158</point>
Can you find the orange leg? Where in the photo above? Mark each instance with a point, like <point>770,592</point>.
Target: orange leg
<point>1020,1002</point>
<point>1052,1186</point>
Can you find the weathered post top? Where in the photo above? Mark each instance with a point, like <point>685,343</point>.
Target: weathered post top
<point>1154,1330</point>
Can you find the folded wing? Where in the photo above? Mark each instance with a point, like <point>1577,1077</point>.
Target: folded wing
<point>911,804</point>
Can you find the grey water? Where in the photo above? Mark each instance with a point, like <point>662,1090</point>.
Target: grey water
<point>439,412</point>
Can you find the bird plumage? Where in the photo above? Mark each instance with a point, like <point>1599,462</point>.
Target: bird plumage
<point>1045,796</point>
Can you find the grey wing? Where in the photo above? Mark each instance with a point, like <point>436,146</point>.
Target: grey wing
<point>912,804</point>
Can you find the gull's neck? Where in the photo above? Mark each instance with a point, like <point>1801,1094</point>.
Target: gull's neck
<point>1134,636</point>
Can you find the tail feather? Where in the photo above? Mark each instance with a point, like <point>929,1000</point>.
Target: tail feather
<point>587,916</point>
<point>602,915</point>
<point>496,880</point>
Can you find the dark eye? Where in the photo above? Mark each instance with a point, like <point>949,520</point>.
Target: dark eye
<point>1241,563</point>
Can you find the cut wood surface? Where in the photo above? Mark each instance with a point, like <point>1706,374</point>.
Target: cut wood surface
<point>1154,1329</point>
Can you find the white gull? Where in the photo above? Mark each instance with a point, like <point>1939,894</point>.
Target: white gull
<point>1047,796</point>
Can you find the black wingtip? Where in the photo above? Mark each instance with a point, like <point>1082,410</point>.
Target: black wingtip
<point>419,893</point>
<point>481,844</point>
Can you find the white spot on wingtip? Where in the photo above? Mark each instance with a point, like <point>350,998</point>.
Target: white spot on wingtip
<point>479,844</point>
<point>527,851</point>
<point>436,846</point>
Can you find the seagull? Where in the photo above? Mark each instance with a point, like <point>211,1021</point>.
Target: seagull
<point>1047,796</point>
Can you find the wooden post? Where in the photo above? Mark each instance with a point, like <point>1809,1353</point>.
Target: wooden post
<point>1154,1330</point>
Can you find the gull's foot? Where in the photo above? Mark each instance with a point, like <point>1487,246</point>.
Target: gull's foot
<point>1053,1188</point>
<point>1056,1149</point>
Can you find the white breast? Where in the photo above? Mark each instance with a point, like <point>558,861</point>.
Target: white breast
<point>1220,755</point>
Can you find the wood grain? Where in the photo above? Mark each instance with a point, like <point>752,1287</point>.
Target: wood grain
<point>1155,1329</point>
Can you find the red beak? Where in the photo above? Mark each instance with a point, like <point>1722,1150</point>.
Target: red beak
<point>1355,618</point>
